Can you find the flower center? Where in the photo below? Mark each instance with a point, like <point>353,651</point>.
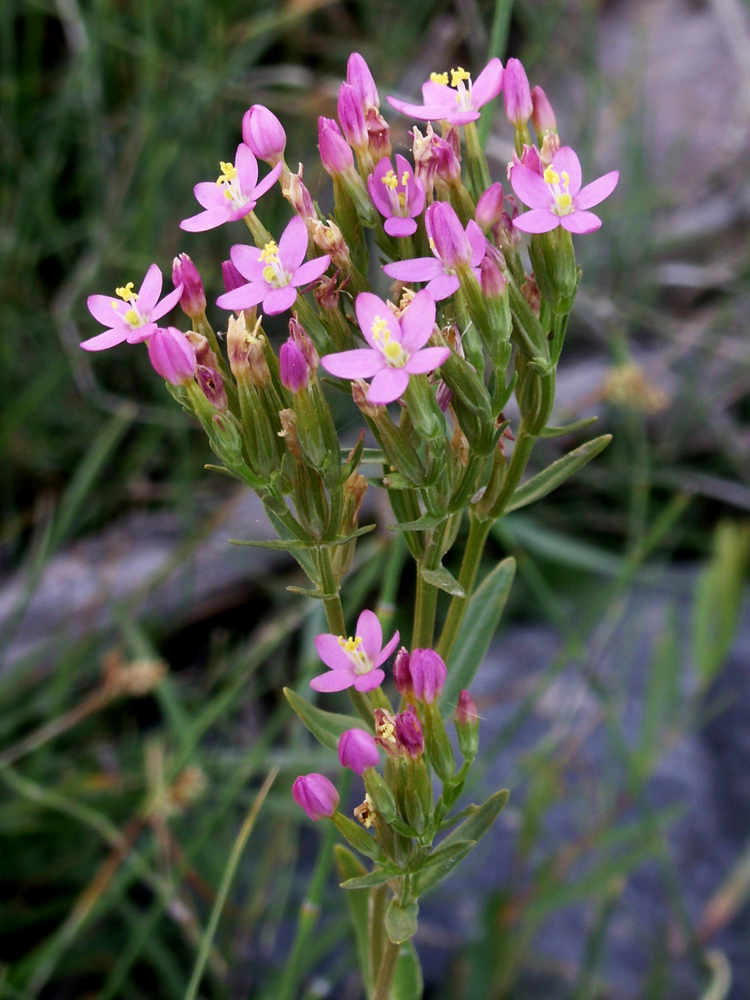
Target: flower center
<point>273,272</point>
<point>358,657</point>
<point>397,198</point>
<point>461,82</point>
<point>563,200</point>
<point>229,181</point>
<point>392,351</point>
<point>132,317</point>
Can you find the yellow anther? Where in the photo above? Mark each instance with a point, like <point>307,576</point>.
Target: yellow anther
<point>404,178</point>
<point>126,293</point>
<point>392,350</point>
<point>564,203</point>
<point>439,78</point>
<point>380,326</point>
<point>228,173</point>
<point>401,199</point>
<point>390,180</point>
<point>132,317</point>
<point>565,177</point>
<point>350,645</point>
<point>458,76</point>
<point>269,274</point>
<point>270,251</point>
<point>551,176</point>
<point>432,244</point>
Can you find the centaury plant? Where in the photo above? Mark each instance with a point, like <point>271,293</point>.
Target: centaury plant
<point>450,357</point>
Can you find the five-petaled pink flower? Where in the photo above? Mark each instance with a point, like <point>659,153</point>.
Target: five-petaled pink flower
<point>354,661</point>
<point>458,103</point>
<point>132,316</point>
<point>398,196</point>
<point>453,247</point>
<point>233,196</point>
<point>396,348</point>
<point>556,197</point>
<point>274,273</point>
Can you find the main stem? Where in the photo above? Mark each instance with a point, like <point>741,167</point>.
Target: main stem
<point>387,970</point>
<point>478,531</point>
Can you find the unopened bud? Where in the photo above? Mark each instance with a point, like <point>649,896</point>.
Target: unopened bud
<point>542,114</point>
<point>467,726</point>
<point>300,198</point>
<point>491,279</point>
<point>172,355</point>
<point>352,117</point>
<point>358,750</point>
<point>428,674</point>
<point>516,93</point>
<point>316,795</point>
<point>193,298</point>
<point>264,134</point>
<point>335,154</point>
<point>401,674</point>
<point>360,79</point>
<point>409,735</point>
<point>448,167</point>
<point>304,343</point>
<point>231,276</point>
<point>294,370</point>
<point>490,207</point>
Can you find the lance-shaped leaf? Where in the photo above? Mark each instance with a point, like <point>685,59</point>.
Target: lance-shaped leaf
<point>424,523</point>
<point>326,727</point>
<point>349,866</point>
<point>448,856</point>
<point>292,544</point>
<point>478,822</point>
<point>554,475</point>
<point>556,432</point>
<point>443,580</point>
<point>378,876</point>
<point>478,627</point>
<point>407,979</point>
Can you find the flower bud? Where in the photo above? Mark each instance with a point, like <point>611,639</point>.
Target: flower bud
<point>448,166</point>
<point>542,114</point>
<point>467,726</point>
<point>516,93</point>
<point>352,117</point>
<point>336,156</point>
<point>401,674</point>
<point>232,277</point>
<point>360,79</point>
<point>409,733</point>
<point>379,134</point>
<point>294,371</point>
<point>448,236</point>
<point>303,342</point>
<point>491,279</point>
<point>264,134</point>
<point>328,237</point>
<point>204,354</point>
<point>212,386</point>
<point>358,750</point>
<point>300,198</point>
<point>316,795</point>
<point>428,674</point>
<point>193,298</point>
<point>172,356</point>
<point>490,207</point>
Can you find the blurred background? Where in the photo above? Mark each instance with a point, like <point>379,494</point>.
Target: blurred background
<point>616,696</point>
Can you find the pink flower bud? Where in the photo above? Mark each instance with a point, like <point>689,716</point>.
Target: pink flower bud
<point>379,134</point>
<point>516,93</point>
<point>466,711</point>
<point>232,277</point>
<point>300,198</point>
<point>316,795</point>
<point>212,385</point>
<point>448,166</point>
<point>299,336</point>
<point>542,114</point>
<point>263,133</point>
<point>467,725</point>
<point>358,750</point>
<point>491,278</point>
<point>172,355</point>
<point>490,206</point>
<point>401,674</point>
<point>428,674</point>
<point>185,273</point>
<point>448,236</point>
<point>359,77</point>
<point>336,156</point>
<point>409,733</point>
<point>352,117</point>
<point>294,370</point>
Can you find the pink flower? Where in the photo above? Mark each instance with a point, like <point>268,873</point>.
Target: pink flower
<point>398,196</point>
<point>274,273</point>
<point>396,348</point>
<point>354,661</point>
<point>556,197</point>
<point>453,247</point>
<point>316,795</point>
<point>172,355</point>
<point>233,196</point>
<point>358,750</point>
<point>458,103</point>
<point>132,316</point>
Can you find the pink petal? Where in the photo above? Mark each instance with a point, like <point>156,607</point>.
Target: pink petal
<point>110,338</point>
<point>245,297</point>
<point>209,219</point>
<point>331,653</point>
<point>141,333</point>
<point>336,680</point>
<point>371,633</point>
<point>432,113</point>
<point>150,290</point>
<point>439,95</point>
<point>403,166</point>
<point>209,194</point>
<point>278,300</point>
<point>442,286</point>
<point>581,222</point>
<point>416,269</point>
<point>247,261</point>
<point>597,190</point>
<point>418,322</point>
<point>477,242</point>
<point>566,160</point>
<point>369,681</point>
<point>398,226</point>
<point>167,303</point>
<point>540,220</point>
<point>488,84</point>
<point>369,308</point>
<point>104,309</point>
<point>268,182</point>
<point>387,386</point>
<point>462,117</point>
<point>247,169</point>
<point>377,189</point>
<point>387,649</point>
<point>234,214</point>
<point>293,244</point>
<point>530,187</point>
<point>311,270</point>
<point>427,360</point>
<point>360,363</point>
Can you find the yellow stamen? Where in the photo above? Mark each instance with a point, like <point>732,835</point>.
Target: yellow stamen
<point>126,293</point>
<point>404,178</point>
<point>390,180</point>
<point>439,78</point>
<point>269,274</point>
<point>380,326</point>
<point>392,350</point>
<point>350,645</point>
<point>564,202</point>
<point>565,178</point>
<point>132,317</point>
<point>432,244</point>
<point>458,76</point>
<point>270,251</point>
<point>551,176</point>
<point>228,173</point>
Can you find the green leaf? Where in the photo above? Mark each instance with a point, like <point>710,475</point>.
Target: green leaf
<point>442,579</point>
<point>479,625</point>
<point>449,858</point>
<point>408,983</point>
<point>401,921</point>
<point>284,545</point>
<point>350,465</point>
<point>480,820</point>
<point>349,866</point>
<point>444,853</point>
<point>556,432</point>
<point>549,479</point>
<point>326,727</point>
<point>424,523</point>
<point>378,876</point>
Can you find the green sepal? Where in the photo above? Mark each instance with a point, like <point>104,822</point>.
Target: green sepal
<point>357,836</point>
<point>246,476</point>
<point>326,727</point>
<point>401,921</point>
<point>451,855</point>
<point>442,579</point>
<point>444,854</point>
<point>351,457</point>
<point>349,866</point>
<point>554,475</point>
<point>556,432</point>
<point>393,481</point>
<point>378,876</point>
<point>424,523</point>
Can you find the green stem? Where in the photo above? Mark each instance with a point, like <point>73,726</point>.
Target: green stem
<point>387,970</point>
<point>478,531</point>
<point>425,604</point>
<point>518,462</point>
